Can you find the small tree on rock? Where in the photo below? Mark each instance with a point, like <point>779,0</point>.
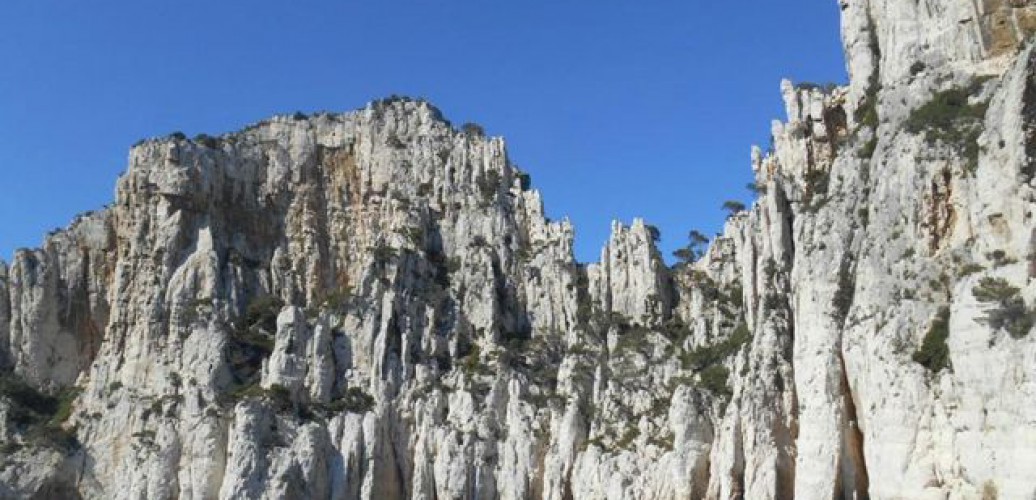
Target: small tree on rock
<point>695,249</point>
<point>733,207</point>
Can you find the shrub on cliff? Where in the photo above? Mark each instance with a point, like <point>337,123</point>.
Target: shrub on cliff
<point>952,119</point>
<point>934,354</point>
<point>39,416</point>
<point>1009,310</point>
<point>473,129</point>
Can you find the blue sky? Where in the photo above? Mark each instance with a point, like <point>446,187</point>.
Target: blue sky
<point>618,109</point>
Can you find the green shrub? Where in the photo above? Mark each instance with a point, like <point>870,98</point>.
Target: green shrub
<point>653,231</point>
<point>843,297</point>
<point>733,207</point>
<point>525,180</point>
<point>950,118</point>
<point>868,112</point>
<point>262,312</point>
<point>473,129</point>
<point>65,399</point>
<point>864,216</point>
<point>252,339</point>
<point>703,357</point>
<point>471,361</point>
<point>25,397</point>
<point>991,289</point>
<point>635,339</point>
<point>942,117</point>
<point>355,400</point>
<point>235,394</point>
<point>383,253</point>
<point>338,298</point>
<point>934,354</point>
<point>773,302</point>
<point>39,416</point>
<point>488,185</point>
<point>207,141</point>
<point>631,434</point>
<point>714,379</point>
<point>705,285</point>
<point>279,397</point>
<point>394,142</point>
<point>697,245</point>
<point>54,437</point>
<point>770,269</point>
<point>970,268</point>
<point>866,151</point>
<point>145,435</point>
<point>826,88</point>
<point>817,182</point>
<point>1010,312</point>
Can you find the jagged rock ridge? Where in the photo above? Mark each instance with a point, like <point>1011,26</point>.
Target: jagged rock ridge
<point>373,305</point>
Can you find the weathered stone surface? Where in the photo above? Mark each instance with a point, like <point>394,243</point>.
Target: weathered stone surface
<point>373,305</point>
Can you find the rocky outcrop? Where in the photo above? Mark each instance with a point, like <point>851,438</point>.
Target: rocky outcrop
<point>373,305</point>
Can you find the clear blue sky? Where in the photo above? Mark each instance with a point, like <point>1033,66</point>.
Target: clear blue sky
<point>618,109</point>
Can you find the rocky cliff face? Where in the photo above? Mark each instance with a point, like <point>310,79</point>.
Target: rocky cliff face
<point>373,305</point>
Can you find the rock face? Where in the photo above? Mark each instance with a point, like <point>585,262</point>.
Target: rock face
<point>373,305</point>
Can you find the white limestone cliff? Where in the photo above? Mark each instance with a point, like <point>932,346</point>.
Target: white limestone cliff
<point>373,305</point>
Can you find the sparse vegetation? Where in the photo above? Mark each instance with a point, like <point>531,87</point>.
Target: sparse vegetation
<point>278,396</point>
<point>473,129</point>
<point>714,379</point>
<point>701,358</point>
<point>867,149</point>
<point>525,181</point>
<point>826,88</point>
<point>816,184</point>
<point>863,215</point>
<point>695,249</point>
<point>38,416</point>
<point>1000,258</point>
<point>207,141</point>
<point>355,400</point>
<point>970,268</point>
<point>394,141</point>
<point>656,235</point>
<point>489,185</point>
<point>867,113</point>
<point>631,434</point>
<point>990,491</point>
<point>952,119</point>
<point>1009,310</point>
<point>843,297</point>
<point>733,207</point>
<point>471,361</point>
<point>383,253</point>
<point>337,299</point>
<point>934,353</point>
<point>252,341</point>
<point>262,312</point>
